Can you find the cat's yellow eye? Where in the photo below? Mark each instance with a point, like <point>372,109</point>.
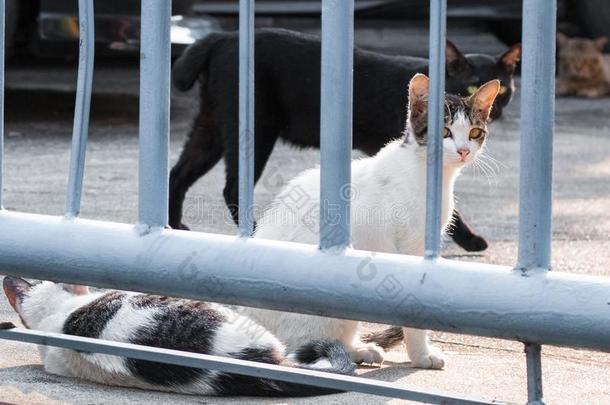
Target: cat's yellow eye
<point>472,89</point>
<point>502,90</point>
<point>476,133</point>
<point>446,132</point>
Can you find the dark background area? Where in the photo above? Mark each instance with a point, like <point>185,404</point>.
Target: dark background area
<point>49,28</point>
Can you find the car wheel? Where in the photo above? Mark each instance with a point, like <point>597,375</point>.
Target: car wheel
<point>594,17</point>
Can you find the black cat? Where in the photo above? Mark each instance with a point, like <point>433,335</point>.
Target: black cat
<point>287,104</point>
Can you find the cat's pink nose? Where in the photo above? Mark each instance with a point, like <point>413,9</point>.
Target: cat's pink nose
<point>463,152</point>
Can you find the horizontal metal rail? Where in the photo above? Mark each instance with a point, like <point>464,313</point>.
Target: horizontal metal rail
<point>478,299</point>
<point>236,366</point>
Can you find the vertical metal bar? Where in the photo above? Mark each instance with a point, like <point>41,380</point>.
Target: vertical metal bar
<point>154,112</point>
<point>336,122</point>
<point>80,130</point>
<point>537,118</point>
<point>534,374</point>
<point>2,57</point>
<point>436,113</point>
<point>246,117</point>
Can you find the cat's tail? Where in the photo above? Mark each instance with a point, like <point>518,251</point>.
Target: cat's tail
<point>321,355</point>
<point>325,355</point>
<point>193,63</point>
<point>386,339</point>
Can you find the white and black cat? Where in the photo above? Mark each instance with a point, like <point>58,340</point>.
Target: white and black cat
<point>393,181</point>
<point>168,323</point>
<point>287,82</point>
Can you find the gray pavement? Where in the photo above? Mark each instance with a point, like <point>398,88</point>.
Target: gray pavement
<point>37,146</point>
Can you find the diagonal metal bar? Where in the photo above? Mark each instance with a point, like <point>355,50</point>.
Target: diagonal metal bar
<point>229,365</point>
<point>154,114</point>
<point>80,129</point>
<point>246,118</point>
<point>436,113</point>
<point>336,122</point>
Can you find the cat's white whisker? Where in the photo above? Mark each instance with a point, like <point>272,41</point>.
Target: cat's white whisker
<point>485,155</point>
<point>489,172</point>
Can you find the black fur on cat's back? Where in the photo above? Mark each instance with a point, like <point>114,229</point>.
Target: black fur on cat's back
<point>287,87</point>
<point>287,100</point>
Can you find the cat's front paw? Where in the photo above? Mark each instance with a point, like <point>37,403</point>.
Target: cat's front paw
<point>369,354</point>
<point>433,358</point>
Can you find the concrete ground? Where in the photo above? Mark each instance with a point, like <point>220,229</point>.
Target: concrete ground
<point>38,131</point>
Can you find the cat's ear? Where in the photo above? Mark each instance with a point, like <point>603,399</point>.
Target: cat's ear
<point>418,94</point>
<point>562,39</point>
<point>455,61</point>
<point>600,43</point>
<point>15,289</point>
<point>508,60</point>
<point>482,100</point>
<point>76,289</point>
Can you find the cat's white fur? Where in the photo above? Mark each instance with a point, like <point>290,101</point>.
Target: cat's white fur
<point>48,305</point>
<point>393,183</point>
<point>47,309</point>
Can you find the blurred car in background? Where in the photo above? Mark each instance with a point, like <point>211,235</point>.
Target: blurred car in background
<point>50,27</point>
<point>502,17</point>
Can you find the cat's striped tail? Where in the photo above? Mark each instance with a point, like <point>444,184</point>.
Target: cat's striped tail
<point>321,355</point>
<point>386,339</point>
<point>325,355</point>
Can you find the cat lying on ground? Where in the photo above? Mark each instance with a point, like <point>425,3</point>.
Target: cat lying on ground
<point>287,98</point>
<point>164,322</point>
<point>583,69</point>
<point>393,182</point>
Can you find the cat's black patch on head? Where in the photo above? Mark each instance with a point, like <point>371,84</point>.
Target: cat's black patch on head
<point>453,105</point>
<point>180,325</point>
<point>419,125</point>
<point>91,319</point>
<point>419,121</point>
